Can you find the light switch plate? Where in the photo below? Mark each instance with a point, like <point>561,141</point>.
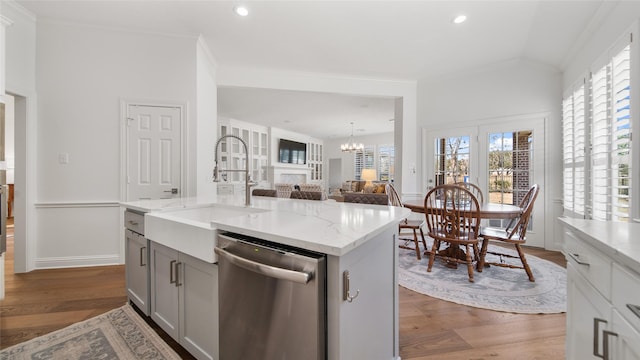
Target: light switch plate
<point>63,158</point>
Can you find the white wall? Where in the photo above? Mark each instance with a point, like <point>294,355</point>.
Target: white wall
<point>207,115</point>
<point>20,56</point>
<point>503,90</point>
<point>83,73</point>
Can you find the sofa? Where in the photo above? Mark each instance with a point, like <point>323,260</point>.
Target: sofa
<point>357,191</point>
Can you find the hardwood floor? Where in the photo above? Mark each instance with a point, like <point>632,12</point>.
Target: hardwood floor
<point>45,300</point>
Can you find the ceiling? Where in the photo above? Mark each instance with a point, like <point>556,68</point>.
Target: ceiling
<point>403,40</point>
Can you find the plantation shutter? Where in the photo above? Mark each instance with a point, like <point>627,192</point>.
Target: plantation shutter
<point>567,150</point>
<point>385,163</point>
<point>579,147</point>
<point>600,144</point>
<point>363,160</point>
<point>621,134</point>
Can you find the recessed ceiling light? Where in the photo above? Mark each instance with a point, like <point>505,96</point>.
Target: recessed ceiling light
<point>241,10</point>
<point>459,19</point>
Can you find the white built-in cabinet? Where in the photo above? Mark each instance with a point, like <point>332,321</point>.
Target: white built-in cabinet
<point>232,156</point>
<point>184,299</point>
<point>314,160</point>
<point>602,295</point>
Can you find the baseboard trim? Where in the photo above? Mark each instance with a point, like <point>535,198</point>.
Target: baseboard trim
<point>77,261</point>
<point>78,204</point>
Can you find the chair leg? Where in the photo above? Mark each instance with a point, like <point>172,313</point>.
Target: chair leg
<point>415,242</point>
<point>469,263</point>
<point>424,242</point>
<point>483,253</point>
<point>432,256</point>
<point>525,265</point>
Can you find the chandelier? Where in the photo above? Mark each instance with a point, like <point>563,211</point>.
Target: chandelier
<point>351,145</point>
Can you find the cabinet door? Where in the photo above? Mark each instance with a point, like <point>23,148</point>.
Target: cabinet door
<point>626,342</point>
<point>137,270</point>
<point>353,331</point>
<point>198,307</point>
<point>164,293</point>
<point>585,306</point>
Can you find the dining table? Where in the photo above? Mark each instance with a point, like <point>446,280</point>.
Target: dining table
<point>487,211</point>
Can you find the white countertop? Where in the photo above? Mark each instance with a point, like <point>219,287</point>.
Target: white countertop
<point>618,240</point>
<point>328,227</point>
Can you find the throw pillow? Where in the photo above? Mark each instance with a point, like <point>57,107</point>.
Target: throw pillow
<point>379,189</point>
<point>370,189</point>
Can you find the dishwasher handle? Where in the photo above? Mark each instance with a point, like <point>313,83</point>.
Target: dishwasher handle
<point>268,270</point>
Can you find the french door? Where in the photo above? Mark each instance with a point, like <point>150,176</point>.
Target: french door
<point>504,159</point>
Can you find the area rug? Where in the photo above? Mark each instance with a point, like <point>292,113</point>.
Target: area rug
<point>495,288</point>
<point>118,334</point>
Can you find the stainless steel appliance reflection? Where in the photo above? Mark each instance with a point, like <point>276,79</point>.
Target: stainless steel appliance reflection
<point>271,302</point>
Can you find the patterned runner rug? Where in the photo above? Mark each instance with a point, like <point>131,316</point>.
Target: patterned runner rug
<point>117,334</point>
<point>495,288</point>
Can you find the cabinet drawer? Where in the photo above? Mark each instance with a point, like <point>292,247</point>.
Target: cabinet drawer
<point>625,290</point>
<point>134,221</point>
<point>596,268</point>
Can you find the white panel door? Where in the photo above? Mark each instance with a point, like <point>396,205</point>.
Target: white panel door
<point>153,152</point>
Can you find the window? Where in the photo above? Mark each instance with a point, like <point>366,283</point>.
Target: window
<point>386,162</point>
<point>452,159</point>
<point>597,143</point>
<point>363,160</point>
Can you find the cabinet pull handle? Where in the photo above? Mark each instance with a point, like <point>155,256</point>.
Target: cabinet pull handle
<point>596,335</point>
<point>575,258</point>
<point>134,223</point>
<point>605,343</point>
<point>142,249</point>
<point>172,279</point>
<point>635,309</point>
<point>345,287</point>
<point>178,283</point>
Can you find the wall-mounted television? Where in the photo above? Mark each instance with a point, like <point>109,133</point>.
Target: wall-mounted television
<point>292,152</point>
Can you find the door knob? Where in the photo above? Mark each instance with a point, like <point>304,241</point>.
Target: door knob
<point>173,191</point>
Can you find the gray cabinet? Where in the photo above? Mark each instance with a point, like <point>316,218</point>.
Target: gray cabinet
<point>136,261</point>
<point>184,295</point>
<point>367,326</point>
<point>137,270</point>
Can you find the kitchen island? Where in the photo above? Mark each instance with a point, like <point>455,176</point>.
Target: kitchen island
<point>361,322</point>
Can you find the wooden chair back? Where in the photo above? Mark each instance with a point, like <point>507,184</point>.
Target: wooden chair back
<point>520,228</point>
<point>452,214</point>
<point>394,198</point>
<point>474,189</point>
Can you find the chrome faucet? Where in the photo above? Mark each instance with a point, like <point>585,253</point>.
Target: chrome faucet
<point>247,180</point>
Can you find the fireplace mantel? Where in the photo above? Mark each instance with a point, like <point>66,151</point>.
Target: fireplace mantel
<point>293,174</point>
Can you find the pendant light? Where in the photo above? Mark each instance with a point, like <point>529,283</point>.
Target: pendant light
<point>351,145</point>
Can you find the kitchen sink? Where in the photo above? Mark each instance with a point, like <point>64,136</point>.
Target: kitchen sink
<point>192,231</point>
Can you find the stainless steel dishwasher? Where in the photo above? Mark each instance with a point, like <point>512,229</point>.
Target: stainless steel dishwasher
<point>271,301</point>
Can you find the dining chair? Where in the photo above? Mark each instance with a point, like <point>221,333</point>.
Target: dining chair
<point>475,190</point>
<point>515,235</point>
<point>453,216</point>
<point>412,225</point>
